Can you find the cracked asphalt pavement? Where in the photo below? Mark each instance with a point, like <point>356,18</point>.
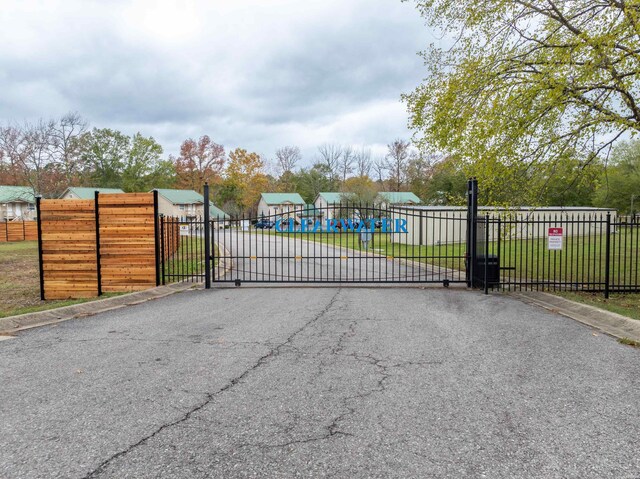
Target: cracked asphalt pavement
<point>320,382</point>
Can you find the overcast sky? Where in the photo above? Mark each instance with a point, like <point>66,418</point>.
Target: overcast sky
<point>258,74</point>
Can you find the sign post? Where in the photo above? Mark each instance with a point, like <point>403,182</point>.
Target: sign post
<point>554,237</point>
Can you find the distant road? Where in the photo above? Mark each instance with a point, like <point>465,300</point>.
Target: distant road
<point>269,257</point>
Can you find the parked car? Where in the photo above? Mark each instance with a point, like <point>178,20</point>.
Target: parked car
<point>264,224</point>
<point>335,224</point>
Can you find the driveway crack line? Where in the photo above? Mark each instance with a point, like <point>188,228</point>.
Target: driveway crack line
<point>212,396</point>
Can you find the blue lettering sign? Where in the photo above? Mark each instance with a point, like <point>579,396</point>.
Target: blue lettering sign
<point>332,226</point>
<point>401,226</point>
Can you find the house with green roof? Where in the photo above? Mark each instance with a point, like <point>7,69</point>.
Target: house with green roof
<point>187,204</point>
<point>280,204</point>
<point>398,198</point>
<point>324,202</point>
<point>86,193</point>
<point>17,203</point>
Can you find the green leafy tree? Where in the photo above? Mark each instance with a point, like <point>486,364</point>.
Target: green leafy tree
<point>573,183</point>
<point>620,188</point>
<point>140,163</point>
<point>311,181</point>
<point>104,153</point>
<point>447,184</point>
<point>245,177</point>
<point>526,85</point>
<point>163,175</point>
<point>359,190</point>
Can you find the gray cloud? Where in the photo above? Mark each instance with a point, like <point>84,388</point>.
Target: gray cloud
<point>249,73</point>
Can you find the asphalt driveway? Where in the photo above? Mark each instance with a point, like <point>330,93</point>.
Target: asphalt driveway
<point>260,256</point>
<point>320,382</point>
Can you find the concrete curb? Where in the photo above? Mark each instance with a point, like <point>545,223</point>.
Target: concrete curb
<point>610,323</point>
<point>13,324</point>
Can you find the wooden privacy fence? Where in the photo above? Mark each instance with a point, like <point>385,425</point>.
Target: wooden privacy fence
<point>107,244</point>
<point>18,231</point>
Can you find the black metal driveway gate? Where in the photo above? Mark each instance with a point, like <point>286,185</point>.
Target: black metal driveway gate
<point>345,243</point>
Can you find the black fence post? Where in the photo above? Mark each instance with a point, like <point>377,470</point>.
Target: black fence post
<point>486,254</point>
<point>607,257</point>
<point>162,250</point>
<point>207,239</point>
<point>156,236</point>
<point>40,265</point>
<point>98,267</point>
<point>472,216</point>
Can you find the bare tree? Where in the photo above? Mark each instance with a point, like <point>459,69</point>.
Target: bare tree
<point>287,158</point>
<point>363,162</point>
<point>347,159</point>
<point>380,168</point>
<point>41,153</point>
<point>397,158</point>
<point>65,135</point>
<point>330,155</point>
<point>14,151</point>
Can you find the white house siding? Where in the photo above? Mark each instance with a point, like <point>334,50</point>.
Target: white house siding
<point>280,209</point>
<point>447,225</point>
<point>324,209</point>
<point>188,210</point>
<point>17,210</point>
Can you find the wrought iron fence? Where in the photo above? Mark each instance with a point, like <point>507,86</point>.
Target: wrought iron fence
<point>555,252</point>
<point>182,249</point>
<point>507,250</point>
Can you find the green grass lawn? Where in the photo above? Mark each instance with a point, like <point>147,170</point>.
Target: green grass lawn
<point>624,304</point>
<point>187,263</point>
<point>20,281</point>
<point>582,259</point>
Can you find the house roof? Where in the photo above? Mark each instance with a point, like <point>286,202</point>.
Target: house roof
<point>399,197</point>
<point>181,197</point>
<point>215,212</point>
<point>13,194</point>
<point>88,193</point>
<point>281,198</point>
<point>331,196</point>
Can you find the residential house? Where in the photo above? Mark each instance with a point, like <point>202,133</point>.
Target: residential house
<point>186,204</point>
<point>86,193</point>
<point>17,203</point>
<point>310,213</point>
<point>324,204</point>
<point>280,204</point>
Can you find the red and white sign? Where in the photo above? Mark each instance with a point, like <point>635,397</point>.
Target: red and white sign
<point>555,238</point>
